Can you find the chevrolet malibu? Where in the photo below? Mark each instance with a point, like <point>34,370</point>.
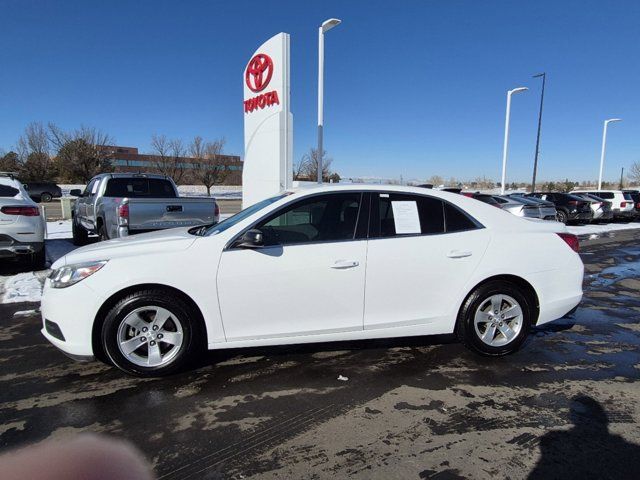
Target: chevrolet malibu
<point>322,264</point>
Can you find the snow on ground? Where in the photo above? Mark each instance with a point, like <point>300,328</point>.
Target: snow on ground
<point>594,229</point>
<point>59,229</point>
<point>23,287</point>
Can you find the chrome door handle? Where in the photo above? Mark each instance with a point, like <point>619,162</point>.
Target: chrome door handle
<point>459,254</point>
<point>342,264</point>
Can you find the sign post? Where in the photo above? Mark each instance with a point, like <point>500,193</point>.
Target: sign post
<point>268,123</point>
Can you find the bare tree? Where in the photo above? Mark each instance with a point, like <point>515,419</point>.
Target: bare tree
<point>81,153</point>
<point>300,168</point>
<point>310,161</point>
<point>168,156</point>
<point>34,153</point>
<point>634,172</point>
<point>208,166</point>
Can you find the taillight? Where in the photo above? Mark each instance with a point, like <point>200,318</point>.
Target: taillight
<point>216,210</point>
<point>572,202</point>
<point>19,210</point>
<point>623,204</point>
<point>123,214</point>
<point>638,205</point>
<point>571,240</point>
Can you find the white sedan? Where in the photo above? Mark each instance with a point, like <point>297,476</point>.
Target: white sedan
<point>323,264</point>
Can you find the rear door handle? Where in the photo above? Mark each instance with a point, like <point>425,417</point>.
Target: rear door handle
<point>459,254</point>
<point>342,264</point>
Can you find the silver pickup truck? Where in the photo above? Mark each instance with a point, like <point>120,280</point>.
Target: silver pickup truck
<point>120,204</point>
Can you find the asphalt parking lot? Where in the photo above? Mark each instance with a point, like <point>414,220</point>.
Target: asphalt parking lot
<point>566,406</point>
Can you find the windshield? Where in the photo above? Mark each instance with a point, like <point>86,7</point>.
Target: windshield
<point>238,217</point>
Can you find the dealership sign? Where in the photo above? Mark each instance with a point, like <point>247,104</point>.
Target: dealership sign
<point>268,123</point>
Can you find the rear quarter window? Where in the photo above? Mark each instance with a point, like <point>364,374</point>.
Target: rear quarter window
<point>456,220</point>
<point>7,191</point>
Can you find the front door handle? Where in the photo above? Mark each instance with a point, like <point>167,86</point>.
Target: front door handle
<point>342,264</point>
<point>459,254</point>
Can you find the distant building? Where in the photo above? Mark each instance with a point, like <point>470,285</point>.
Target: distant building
<point>127,159</point>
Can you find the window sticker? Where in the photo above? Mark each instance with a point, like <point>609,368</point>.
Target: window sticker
<point>405,217</point>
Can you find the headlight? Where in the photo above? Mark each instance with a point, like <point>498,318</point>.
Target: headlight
<point>71,274</point>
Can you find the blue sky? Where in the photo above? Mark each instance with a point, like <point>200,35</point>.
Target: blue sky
<point>413,88</point>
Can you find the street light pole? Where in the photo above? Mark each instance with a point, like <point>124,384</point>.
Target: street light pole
<point>506,135</point>
<point>325,27</point>
<point>535,160</point>
<point>604,148</point>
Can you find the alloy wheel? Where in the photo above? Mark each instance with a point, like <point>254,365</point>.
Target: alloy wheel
<point>498,320</point>
<point>150,336</point>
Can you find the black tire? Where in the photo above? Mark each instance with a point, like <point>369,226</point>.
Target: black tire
<point>562,216</point>
<point>39,259</point>
<point>80,235</point>
<point>102,232</point>
<point>466,329</point>
<point>179,310</point>
<point>46,197</point>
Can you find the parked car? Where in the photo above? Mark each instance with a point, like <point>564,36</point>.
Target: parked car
<point>43,191</point>
<point>601,208</point>
<point>635,196</point>
<point>569,208</point>
<point>519,207</point>
<point>547,209</point>
<point>22,226</point>
<point>328,263</point>
<point>622,203</point>
<point>116,205</point>
<point>482,197</point>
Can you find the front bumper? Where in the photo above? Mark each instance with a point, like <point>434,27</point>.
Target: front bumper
<point>73,310</point>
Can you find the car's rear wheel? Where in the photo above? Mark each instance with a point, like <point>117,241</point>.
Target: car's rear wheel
<point>562,216</point>
<point>79,234</point>
<point>150,333</point>
<point>45,197</point>
<point>495,319</point>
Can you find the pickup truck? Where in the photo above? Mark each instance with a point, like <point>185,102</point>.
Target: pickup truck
<point>115,205</point>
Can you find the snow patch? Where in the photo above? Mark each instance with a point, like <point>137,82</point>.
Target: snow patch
<point>59,229</point>
<point>23,287</point>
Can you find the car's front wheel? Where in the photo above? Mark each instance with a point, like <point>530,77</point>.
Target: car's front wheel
<point>78,233</point>
<point>150,333</point>
<point>495,319</point>
<point>45,197</point>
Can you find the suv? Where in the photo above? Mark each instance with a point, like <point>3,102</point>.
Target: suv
<point>43,191</point>
<point>635,195</point>
<point>21,225</point>
<point>569,208</point>
<point>622,203</point>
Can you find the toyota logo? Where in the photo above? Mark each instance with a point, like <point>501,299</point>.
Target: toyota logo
<point>259,72</point>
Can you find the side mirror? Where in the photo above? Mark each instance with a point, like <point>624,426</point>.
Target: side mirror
<point>251,239</point>
<point>26,187</point>
<point>76,192</point>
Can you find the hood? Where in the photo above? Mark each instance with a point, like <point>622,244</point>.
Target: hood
<point>171,240</point>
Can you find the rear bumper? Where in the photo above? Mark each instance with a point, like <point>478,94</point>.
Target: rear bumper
<point>628,214</point>
<point>12,248</point>
<point>580,216</point>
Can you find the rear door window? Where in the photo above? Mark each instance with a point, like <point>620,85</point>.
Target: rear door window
<point>399,214</point>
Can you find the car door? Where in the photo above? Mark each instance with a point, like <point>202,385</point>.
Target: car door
<point>81,202</point>
<point>307,279</point>
<point>422,251</point>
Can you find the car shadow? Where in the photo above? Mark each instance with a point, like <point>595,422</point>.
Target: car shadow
<point>588,449</point>
<point>211,357</point>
